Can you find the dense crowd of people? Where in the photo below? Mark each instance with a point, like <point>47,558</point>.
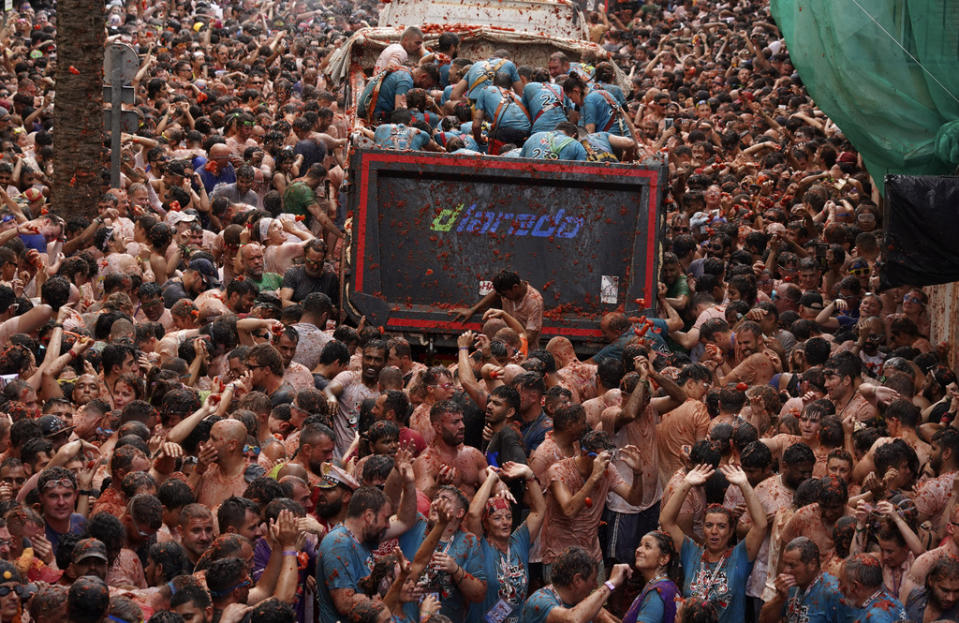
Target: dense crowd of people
<point>191,431</point>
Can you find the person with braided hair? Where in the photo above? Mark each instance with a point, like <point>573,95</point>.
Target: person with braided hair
<point>658,562</point>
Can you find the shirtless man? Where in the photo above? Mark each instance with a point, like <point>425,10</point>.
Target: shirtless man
<point>817,520</point>
<point>447,461</point>
<point>901,419</point>
<point>222,464</point>
<point>608,375</point>
<point>752,363</point>
<point>916,577</point>
<point>570,370</point>
<point>843,381</point>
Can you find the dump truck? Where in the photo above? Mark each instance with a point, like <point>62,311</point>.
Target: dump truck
<point>429,230</point>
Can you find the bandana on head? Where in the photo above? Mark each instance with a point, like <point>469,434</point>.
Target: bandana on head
<point>493,505</point>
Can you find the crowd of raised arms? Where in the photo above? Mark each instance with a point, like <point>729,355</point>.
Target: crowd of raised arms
<point>191,433</point>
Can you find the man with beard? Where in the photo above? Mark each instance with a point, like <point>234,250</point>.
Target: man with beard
<point>251,255</point>
<point>939,599</point>
<point>313,276</point>
<point>862,590</point>
<point>196,530</point>
<point>151,307</point>
<point>346,554</point>
<point>447,461</point>
<point>505,444</point>
<point>266,366</point>
<point>316,448</point>
<point>200,276</point>
<point>752,362</point>
<point>333,494</point>
<point>348,389</point>
<point>296,375</point>
<point>803,591</point>
<point>456,570</point>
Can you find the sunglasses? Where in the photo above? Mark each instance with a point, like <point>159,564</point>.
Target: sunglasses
<point>912,299</point>
<point>63,482</point>
<point>251,449</point>
<point>859,272</point>
<point>6,590</point>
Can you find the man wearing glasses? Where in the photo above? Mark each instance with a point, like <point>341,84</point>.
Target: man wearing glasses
<point>311,276</point>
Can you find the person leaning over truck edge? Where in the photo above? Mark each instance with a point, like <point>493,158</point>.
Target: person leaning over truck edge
<point>411,42</point>
<point>503,109</point>
<point>558,144</point>
<point>518,299</point>
<point>386,91</point>
<point>481,74</point>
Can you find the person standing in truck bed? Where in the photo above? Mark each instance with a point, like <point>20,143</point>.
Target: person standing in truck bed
<point>518,299</point>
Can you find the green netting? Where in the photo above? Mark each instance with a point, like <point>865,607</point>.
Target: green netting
<point>886,72</point>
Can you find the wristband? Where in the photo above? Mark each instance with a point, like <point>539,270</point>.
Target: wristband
<point>290,552</point>
<point>466,348</point>
<point>89,492</point>
<point>609,585</point>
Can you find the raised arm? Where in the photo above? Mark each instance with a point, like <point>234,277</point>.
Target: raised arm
<point>696,477</point>
<point>757,531</point>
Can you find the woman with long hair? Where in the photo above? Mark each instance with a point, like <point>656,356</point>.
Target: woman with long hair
<point>657,561</point>
<point>717,570</point>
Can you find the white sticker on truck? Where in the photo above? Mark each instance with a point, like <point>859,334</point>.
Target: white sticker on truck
<point>609,290</point>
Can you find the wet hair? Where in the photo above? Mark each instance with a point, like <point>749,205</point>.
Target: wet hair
<point>172,559</point>
<point>807,548</point>
<point>571,562</point>
<point>864,569</point>
<point>756,455</point>
<point>696,610</point>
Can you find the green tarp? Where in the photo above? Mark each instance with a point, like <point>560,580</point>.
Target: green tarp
<point>886,72</point>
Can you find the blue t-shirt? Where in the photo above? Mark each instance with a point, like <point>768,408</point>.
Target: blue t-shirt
<point>652,610</point>
<point>481,74</point>
<point>598,147</point>
<point>725,586</point>
<point>492,100</point>
<point>613,90</point>
<point>342,562</point>
<point>429,117</point>
<point>820,603</point>
<point>507,580</point>
<point>882,608</point>
<point>534,433</point>
<point>78,525</point>
<point>546,105</point>
<point>397,82</point>
<point>657,342</point>
<point>598,111</point>
<point>465,549</point>
<point>553,145</point>
<point>538,606</point>
<point>227,174</point>
<point>34,241</point>
<point>400,137</point>
<point>468,141</point>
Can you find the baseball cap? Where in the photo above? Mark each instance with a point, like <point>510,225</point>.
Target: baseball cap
<point>207,270</point>
<point>812,300</point>
<point>53,425</point>
<point>33,194</point>
<point>176,218</point>
<point>332,476</point>
<point>89,548</point>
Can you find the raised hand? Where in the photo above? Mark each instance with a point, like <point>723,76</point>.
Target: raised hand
<point>735,475</point>
<point>516,470</point>
<point>698,475</point>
